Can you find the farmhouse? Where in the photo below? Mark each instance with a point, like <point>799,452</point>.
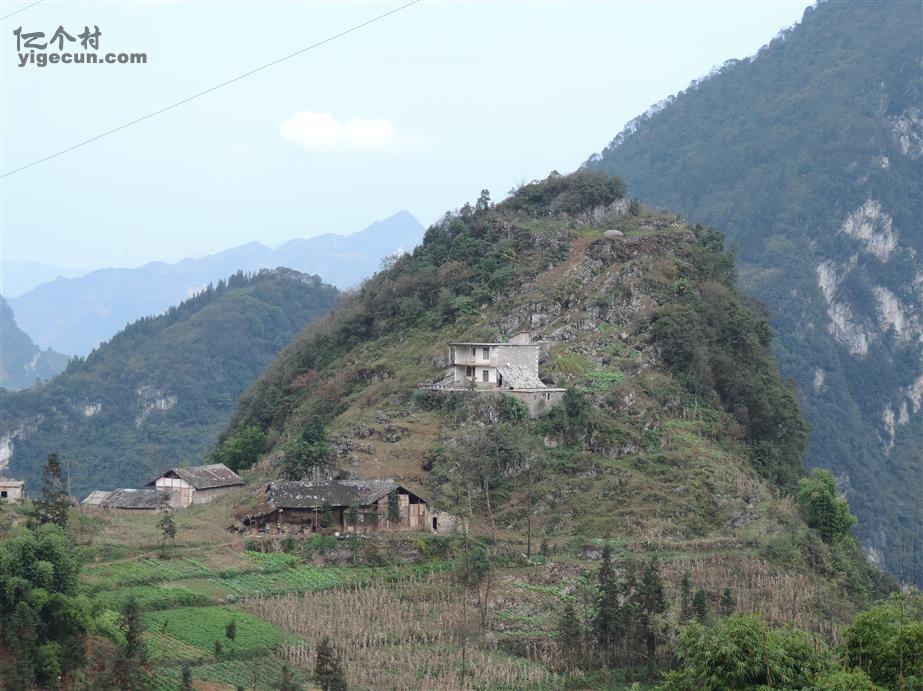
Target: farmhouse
<point>313,506</point>
<point>145,500</point>
<point>196,484</point>
<point>12,490</point>
<point>510,368</point>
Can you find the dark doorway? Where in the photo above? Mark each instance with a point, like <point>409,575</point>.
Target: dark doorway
<point>435,524</point>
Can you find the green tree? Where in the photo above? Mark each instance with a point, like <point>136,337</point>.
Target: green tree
<point>651,604</point>
<point>394,509</point>
<point>353,515</point>
<point>287,681</point>
<point>310,449</point>
<point>742,652</point>
<point>822,508</point>
<point>130,666</point>
<point>570,638</point>
<point>328,672</point>
<point>326,515</point>
<point>43,619</point>
<point>700,605</point>
<point>54,502</point>
<point>685,598</point>
<point>728,604</point>
<point>230,630</point>
<point>167,529</point>
<point>886,642</point>
<point>185,683</point>
<point>242,449</point>
<point>608,622</point>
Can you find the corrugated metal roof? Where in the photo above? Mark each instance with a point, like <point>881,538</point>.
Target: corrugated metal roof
<point>310,495</point>
<point>128,498</point>
<point>205,476</point>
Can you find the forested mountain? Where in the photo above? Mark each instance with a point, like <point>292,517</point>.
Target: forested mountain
<point>809,156</point>
<point>74,315</point>
<point>159,392</point>
<point>677,437</point>
<point>22,363</point>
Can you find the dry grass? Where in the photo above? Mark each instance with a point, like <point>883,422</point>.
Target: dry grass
<point>415,635</point>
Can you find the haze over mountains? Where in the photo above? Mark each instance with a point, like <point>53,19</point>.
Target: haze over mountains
<point>22,363</point>
<point>74,315</point>
<point>809,156</point>
<point>160,390</point>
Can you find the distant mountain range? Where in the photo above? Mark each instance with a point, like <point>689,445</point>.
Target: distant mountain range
<point>75,315</point>
<point>22,363</point>
<point>809,157</point>
<point>158,393</point>
<point>18,277</point>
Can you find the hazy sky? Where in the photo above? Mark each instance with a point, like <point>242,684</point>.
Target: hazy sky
<point>419,111</point>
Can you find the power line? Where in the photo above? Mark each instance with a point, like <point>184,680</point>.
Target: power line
<point>21,9</point>
<point>210,89</point>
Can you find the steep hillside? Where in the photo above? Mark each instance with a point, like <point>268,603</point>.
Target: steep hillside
<point>74,315</point>
<point>160,391</point>
<point>677,437</point>
<point>22,363</point>
<point>809,156</point>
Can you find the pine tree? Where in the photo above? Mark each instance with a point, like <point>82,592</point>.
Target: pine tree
<point>328,673</point>
<point>728,604</point>
<point>185,683</point>
<point>570,638</point>
<point>700,605</point>
<point>652,603</point>
<point>326,515</point>
<point>53,505</point>
<point>607,623</point>
<point>167,530</point>
<point>394,510</point>
<point>230,630</point>
<point>131,663</point>
<point>287,682</point>
<point>685,597</point>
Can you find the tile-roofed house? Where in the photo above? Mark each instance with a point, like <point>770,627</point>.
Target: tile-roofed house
<point>197,484</point>
<point>510,368</point>
<point>301,506</point>
<point>127,499</point>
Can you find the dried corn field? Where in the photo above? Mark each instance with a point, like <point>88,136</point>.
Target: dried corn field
<point>758,587</point>
<point>411,635</point>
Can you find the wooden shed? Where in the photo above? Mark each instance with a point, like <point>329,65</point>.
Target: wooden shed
<point>305,507</point>
<point>196,484</point>
<point>145,500</point>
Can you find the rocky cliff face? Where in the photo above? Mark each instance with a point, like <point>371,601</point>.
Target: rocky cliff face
<point>813,172</point>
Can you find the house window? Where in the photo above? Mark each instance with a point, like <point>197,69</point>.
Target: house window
<point>474,351</point>
<point>484,375</point>
<point>485,352</point>
<point>3,494</point>
<point>469,371</point>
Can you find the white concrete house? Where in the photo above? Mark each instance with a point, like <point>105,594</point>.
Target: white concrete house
<point>12,490</point>
<point>510,368</point>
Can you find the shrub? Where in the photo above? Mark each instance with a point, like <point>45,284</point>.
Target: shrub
<point>822,508</point>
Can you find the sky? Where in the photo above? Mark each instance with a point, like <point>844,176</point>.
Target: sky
<point>418,111</point>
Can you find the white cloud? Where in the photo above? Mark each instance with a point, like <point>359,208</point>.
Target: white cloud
<point>321,132</point>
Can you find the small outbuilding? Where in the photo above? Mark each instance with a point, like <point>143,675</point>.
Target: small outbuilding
<point>12,490</point>
<point>144,500</point>
<point>196,484</point>
<point>313,506</point>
